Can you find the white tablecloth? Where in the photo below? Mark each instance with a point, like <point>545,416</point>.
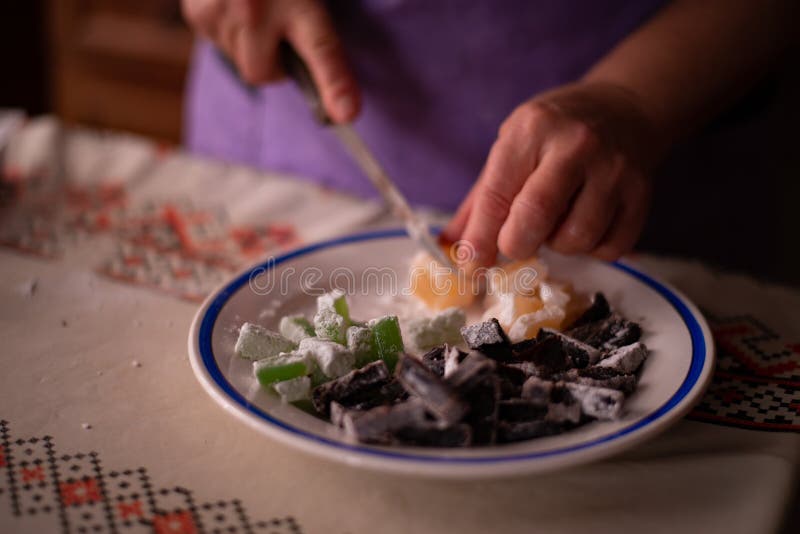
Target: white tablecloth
<point>105,428</point>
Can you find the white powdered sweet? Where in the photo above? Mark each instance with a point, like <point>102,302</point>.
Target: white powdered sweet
<point>552,295</point>
<point>360,342</point>
<point>600,403</point>
<point>256,343</point>
<point>333,359</point>
<point>626,359</point>
<point>295,328</point>
<point>330,325</point>
<point>445,327</point>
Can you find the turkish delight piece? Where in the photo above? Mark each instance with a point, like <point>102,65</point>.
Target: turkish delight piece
<point>528,325</point>
<point>437,395</point>
<point>483,399</point>
<point>256,343</point>
<point>548,355</point>
<point>285,366</point>
<point>296,328</point>
<point>439,287</point>
<point>333,359</point>
<point>475,380</point>
<point>330,325</point>
<point>335,301</point>
<point>537,390</point>
<point>434,360</point>
<point>508,306</point>
<point>425,333</point>
<point>337,412</point>
<point>508,432</point>
<point>598,311</point>
<point>387,339</point>
<point>563,408</point>
<point>607,334</point>
<point>513,373</point>
<point>627,359</point>
<point>352,388</point>
<point>392,392</point>
<point>579,354</point>
<point>474,368</point>
<point>378,424</point>
<point>600,403</point>
<point>521,410</point>
<point>489,338</point>
<point>511,379</point>
<point>603,377</point>
<point>553,295</point>
<point>521,347</point>
<point>431,435</point>
<point>452,358</point>
<point>361,342</point>
<point>294,390</point>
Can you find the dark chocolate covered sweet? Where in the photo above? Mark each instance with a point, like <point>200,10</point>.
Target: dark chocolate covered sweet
<point>489,338</point>
<point>497,392</point>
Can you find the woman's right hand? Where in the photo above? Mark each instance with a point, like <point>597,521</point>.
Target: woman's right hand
<point>249,32</point>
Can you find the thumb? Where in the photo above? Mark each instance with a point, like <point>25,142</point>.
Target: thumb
<point>311,32</point>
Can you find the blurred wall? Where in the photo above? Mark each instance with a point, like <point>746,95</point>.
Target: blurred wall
<point>119,64</point>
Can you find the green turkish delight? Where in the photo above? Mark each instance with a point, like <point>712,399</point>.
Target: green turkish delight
<point>285,366</point>
<point>387,339</point>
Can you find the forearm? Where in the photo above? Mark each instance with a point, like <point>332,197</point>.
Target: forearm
<point>694,58</point>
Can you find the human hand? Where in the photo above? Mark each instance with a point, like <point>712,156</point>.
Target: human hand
<point>568,168</point>
<point>249,32</point>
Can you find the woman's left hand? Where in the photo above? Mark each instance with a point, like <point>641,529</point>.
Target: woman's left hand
<point>568,168</point>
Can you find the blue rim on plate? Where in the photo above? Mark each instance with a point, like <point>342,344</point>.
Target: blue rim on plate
<point>693,375</point>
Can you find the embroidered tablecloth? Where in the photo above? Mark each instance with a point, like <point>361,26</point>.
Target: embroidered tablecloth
<point>109,241</point>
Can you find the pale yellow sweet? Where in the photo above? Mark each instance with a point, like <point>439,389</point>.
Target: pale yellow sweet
<point>509,306</point>
<point>518,294</point>
<point>440,287</point>
<point>528,325</point>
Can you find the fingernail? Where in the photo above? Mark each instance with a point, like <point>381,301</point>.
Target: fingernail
<point>345,107</point>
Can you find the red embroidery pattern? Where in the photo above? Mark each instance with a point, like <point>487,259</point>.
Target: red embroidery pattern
<point>180,522</point>
<point>84,497</point>
<point>80,492</point>
<point>757,380</point>
<point>172,247</point>
<point>35,474</point>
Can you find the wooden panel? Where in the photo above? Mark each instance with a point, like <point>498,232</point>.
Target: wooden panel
<point>119,64</point>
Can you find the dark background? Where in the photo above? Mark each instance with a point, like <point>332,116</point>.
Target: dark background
<point>727,197</point>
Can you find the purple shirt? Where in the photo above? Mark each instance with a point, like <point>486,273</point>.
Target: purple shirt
<point>438,77</point>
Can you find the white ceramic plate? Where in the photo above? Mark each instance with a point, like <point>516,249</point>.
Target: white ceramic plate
<point>673,378</point>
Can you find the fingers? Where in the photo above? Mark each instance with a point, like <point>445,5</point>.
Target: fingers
<point>512,157</point>
<point>312,33</point>
<point>590,216</point>
<point>204,15</point>
<point>627,223</point>
<point>452,232</point>
<point>256,54</point>
<point>540,205</point>
<point>249,31</point>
